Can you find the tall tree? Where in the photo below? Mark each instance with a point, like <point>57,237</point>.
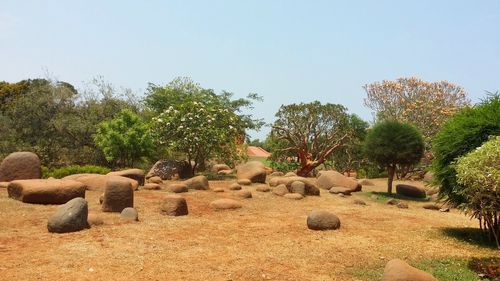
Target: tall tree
<point>311,131</point>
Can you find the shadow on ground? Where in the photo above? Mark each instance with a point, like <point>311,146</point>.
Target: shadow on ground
<point>386,196</point>
<point>474,236</point>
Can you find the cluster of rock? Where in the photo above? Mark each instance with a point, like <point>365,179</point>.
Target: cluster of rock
<point>337,183</point>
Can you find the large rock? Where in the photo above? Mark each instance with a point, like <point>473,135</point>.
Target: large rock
<point>41,191</point>
<point>174,205</point>
<point>322,220</point>
<point>225,204</point>
<point>310,186</point>
<point>70,217</point>
<point>328,179</point>
<point>298,187</point>
<point>135,174</point>
<point>20,166</point>
<point>168,168</point>
<point>198,182</point>
<point>118,195</point>
<point>254,171</point>
<point>98,182</point>
<point>410,191</point>
<point>398,270</point>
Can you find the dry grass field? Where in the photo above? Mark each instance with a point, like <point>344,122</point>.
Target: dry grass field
<point>267,239</point>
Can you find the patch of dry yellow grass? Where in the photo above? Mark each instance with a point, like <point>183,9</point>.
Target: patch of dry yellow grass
<point>267,239</point>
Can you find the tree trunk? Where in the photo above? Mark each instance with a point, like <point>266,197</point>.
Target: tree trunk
<point>304,171</point>
<point>391,169</point>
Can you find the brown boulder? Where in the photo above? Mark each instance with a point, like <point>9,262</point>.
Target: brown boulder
<point>174,205</point>
<point>220,167</point>
<point>293,196</point>
<point>254,171</point>
<point>39,191</point>
<point>327,179</point>
<point>178,188</point>
<point>235,186</point>
<point>340,190</point>
<point>398,270</point>
<point>118,195</point>
<point>322,220</point>
<point>245,194</point>
<point>168,168</point>
<point>310,187</point>
<point>298,187</point>
<point>225,204</point>
<point>98,182</point>
<point>198,183</point>
<point>431,207</point>
<point>410,191</point>
<point>20,166</point>
<point>263,188</point>
<point>244,182</point>
<point>135,174</point>
<point>280,190</point>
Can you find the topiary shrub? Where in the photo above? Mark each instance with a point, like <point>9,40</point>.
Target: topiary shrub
<point>463,133</point>
<point>392,144</point>
<point>479,174</point>
<point>74,169</point>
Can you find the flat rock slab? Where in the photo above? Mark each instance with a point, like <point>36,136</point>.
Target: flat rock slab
<point>398,270</point>
<point>70,217</point>
<point>98,182</point>
<point>47,191</point>
<point>135,174</point>
<point>225,204</point>
<point>322,220</point>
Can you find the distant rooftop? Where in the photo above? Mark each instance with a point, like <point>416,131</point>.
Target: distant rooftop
<point>255,151</point>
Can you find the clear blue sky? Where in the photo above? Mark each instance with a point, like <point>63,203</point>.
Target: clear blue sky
<point>286,51</point>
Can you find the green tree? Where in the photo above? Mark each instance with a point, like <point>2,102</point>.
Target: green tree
<point>391,144</point>
<point>350,156</point>
<point>125,139</point>
<point>479,174</point>
<point>463,133</point>
<point>311,132</point>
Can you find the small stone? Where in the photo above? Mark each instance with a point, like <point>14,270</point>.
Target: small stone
<point>178,188</point>
<point>235,186</point>
<point>95,219</point>
<point>174,205</point>
<point>218,189</point>
<point>245,194</point>
<point>151,186</point>
<point>225,204</point>
<point>155,179</point>
<point>263,188</point>
<point>359,202</point>
<point>280,190</point>
<point>402,205</point>
<point>293,196</point>
<point>431,207</point>
<point>244,182</point>
<point>392,202</point>
<point>444,210</point>
<point>339,189</point>
<point>130,214</point>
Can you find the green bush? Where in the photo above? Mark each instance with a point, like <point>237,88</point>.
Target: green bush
<point>393,145</point>
<point>479,174</point>
<point>74,169</point>
<point>370,171</point>
<point>463,133</point>
<point>284,166</point>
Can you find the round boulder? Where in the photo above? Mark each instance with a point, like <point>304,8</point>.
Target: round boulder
<point>198,183</point>
<point>70,217</point>
<point>410,191</point>
<point>178,188</point>
<point>174,205</point>
<point>130,214</point>
<point>20,166</point>
<point>118,195</point>
<point>298,187</point>
<point>225,204</point>
<point>254,171</point>
<point>322,220</point>
<point>280,190</point>
<point>327,179</point>
<point>397,270</point>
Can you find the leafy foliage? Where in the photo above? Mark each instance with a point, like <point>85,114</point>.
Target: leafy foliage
<point>198,122</point>
<point>311,132</point>
<point>59,173</point>
<point>467,130</point>
<point>426,105</point>
<point>479,174</point>
<point>392,144</point>
<point>125,139</point>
